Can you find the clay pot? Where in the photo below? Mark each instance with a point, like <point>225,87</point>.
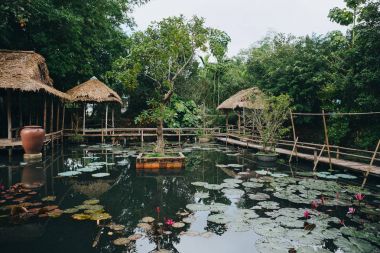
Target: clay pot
<point>32,138</point>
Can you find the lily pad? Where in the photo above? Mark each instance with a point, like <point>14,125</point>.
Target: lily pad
<point>81,216</point>
<point>197,207</point>
<point>121,241</point>
<point>91,202</point>
<point>219,218</point>
<point>259,196</point>
<point>100,216</point>
<point>147,219</point>
<point>69,173</point>
<point>178,225</point>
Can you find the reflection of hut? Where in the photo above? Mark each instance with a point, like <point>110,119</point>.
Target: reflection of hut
<point>25,73</point>
<point>248,99</point>
<point>94,91</point>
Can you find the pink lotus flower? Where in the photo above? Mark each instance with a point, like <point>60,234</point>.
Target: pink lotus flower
<point>306,214</point>
<point>359,197</point>
<point>314,204</point>
<point>351,210</point>
<point>169,222</point>
<point>341,222</point>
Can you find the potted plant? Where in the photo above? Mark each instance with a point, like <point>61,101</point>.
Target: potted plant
<point>160,58</point>
<point>269,123</point>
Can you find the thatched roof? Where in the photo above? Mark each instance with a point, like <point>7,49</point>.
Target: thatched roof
<point>93,90</point>
<point>252,98</point>
<point>26,71</point>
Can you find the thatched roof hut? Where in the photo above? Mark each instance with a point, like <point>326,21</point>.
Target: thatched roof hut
<point>252,98</point>
<point>26,71</point>
<point>93,90</point>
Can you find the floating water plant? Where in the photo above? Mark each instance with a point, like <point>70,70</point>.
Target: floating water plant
<point>147,219</point>
<point>69,173</point>
<point>259,196</point>
<point>81,216</point>
<point>91,202</point>
<point>232,181</point>
<point>201,195</point>
<point>213,187</point>
<point>121,241</point>
<point>98,175</point>
<point>178,224</point>
<point>117,227</point>
<point>197,207</point>
<point>49,198</point>
<point>201,184</point>
<point>218,207</point>
<point>233,192</point>
<point>219,218</point>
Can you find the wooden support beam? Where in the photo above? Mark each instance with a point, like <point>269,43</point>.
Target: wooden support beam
<point>326,137</point>
<point>113,120</point>
<point>51,115</point>
<point>84,118</point>
<point>106,123</point>
<point>239,121</point>
<point>45,110</point>
<point>9,114</point>
<point>58,117</point>
<point>319,156</point>
<point>293,127</point>
<point>293,150</point>
<point>370,164</point>
<point>63,116</point>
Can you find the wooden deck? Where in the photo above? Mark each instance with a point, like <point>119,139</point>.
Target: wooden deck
<point>353,165</point>
<point>16,143</point>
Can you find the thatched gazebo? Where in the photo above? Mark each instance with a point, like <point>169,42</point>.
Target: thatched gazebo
<point>248,99</point>
<point>25,72</point>
<point>94,91</point>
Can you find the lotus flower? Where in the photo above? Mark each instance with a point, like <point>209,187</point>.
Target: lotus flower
<point>351,210</point>
<point>306,214</point>
<point>341,222</point>
<point>314,204</point>
<point>359,197</point>
<point>169,222</point>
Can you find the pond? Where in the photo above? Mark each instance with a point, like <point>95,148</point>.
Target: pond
<point>90,198</point>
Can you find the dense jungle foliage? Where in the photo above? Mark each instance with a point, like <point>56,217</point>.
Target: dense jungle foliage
<point>336,72</point>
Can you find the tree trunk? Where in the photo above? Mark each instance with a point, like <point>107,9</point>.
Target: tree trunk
<point>160,146</point>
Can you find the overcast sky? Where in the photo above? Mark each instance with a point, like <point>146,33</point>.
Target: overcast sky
<point>246,21</point>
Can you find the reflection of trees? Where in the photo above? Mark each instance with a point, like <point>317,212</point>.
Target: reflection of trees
<point>218,229</point>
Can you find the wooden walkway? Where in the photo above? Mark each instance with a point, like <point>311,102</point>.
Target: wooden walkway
<point>16,143</point>
<point>357,166</point>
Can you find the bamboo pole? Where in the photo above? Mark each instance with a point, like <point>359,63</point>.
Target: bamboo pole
<point>9,114</point>
<point>84,118</point>
<point>293,150</point>
<point>63,116</point>
<point>51,115</point>
<point>326,137</point>
<point>319,156</point>
<point>293,127</point>
<point>370,164</point>
<point>106,118</point>
<point>45,111</point>
<point>58,116</point>
<point>113,120</point>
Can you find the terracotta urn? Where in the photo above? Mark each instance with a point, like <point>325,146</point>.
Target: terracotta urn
<point>32,138</point>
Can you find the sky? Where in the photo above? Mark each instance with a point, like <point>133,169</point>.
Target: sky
<point>247,21</point>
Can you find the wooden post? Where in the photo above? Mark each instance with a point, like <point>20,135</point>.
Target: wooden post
<point>243,120</point>
<point>239,122</point>
<point>113,120</point>
<point>9,114</point>
<point>315,155</point>
<point>293,127</point>
<point>45,110</point>
<point>337,153</point>
<point>84,118</point>
<point>226,126</point>
<point>58,116</point>
<point>326,137</point>
<point>371,163</point>
<point>106,118</point>
<point>63,117</point>
<point>319,156</point>
<point>142,136</point>
<point>293,150</point>
<point>51,115</point>
<point>179,137</point>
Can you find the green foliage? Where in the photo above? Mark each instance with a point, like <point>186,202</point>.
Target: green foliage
<point>79,39</point>
<point>76,138</point>
<point>270,120</point>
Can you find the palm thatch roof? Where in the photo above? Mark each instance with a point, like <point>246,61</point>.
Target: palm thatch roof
<point>26,71</point>
<point>93,90</point>
<point>252,98</point>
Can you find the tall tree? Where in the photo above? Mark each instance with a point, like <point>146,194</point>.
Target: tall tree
<point>163,53</point>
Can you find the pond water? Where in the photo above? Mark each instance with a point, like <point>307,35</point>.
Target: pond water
<point>90,198</point>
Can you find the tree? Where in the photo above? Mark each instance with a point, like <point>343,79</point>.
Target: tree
<point>163,53</point>
<point>79,39</point>
<point>269,121</point>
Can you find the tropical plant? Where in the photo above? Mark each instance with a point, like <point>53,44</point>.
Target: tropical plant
<point>160,56</point>
<point>270,119</point>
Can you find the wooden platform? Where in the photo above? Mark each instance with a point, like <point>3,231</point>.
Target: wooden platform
<point>357,166</point>
<point>16,143</point>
